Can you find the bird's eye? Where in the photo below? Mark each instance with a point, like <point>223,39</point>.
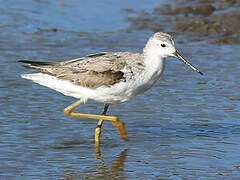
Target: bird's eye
<point>163,45</point>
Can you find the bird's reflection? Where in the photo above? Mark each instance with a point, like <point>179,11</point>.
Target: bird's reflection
<point>114,169</point>
<point>103,170</point>
<point>98,154</point>
<point>118,164</point>
<point>121,158</point>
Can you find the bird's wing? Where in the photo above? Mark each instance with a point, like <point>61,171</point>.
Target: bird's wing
<point>92,71</point>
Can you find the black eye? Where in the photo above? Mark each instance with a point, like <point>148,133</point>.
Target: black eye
<point>163,45</point>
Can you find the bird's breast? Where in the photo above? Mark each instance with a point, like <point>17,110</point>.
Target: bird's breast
<point>142,82</point>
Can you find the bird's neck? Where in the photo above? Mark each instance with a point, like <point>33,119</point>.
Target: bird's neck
<point>154,63</point>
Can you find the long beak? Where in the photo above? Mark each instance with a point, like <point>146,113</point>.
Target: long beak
<point>177,55</point>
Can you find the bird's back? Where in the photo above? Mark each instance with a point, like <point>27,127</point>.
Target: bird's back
<point>92,71</point>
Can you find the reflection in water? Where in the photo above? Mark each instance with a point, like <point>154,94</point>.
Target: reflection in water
<point>98,153</point>
<point>102,170</point>
<point>114,169</point>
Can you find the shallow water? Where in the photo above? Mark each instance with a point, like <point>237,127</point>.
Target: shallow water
<point>186,127</point>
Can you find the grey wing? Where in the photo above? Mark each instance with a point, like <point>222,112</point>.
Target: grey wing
<point>108,68</point>
<point>99,62</point>
<point>92,71</point>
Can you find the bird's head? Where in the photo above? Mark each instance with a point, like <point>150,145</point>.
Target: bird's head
<point>162,45</point>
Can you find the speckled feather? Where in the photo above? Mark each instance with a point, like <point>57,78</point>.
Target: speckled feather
<point>93,71</point>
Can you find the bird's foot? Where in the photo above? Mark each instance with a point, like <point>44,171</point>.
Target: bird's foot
<point>121,129</point>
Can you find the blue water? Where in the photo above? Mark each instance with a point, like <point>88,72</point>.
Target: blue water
<point>186,127</point>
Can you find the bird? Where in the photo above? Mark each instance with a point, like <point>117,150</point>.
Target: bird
<point>107,77</point>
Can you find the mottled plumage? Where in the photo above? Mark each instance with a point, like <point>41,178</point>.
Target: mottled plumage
<point>93,71</point>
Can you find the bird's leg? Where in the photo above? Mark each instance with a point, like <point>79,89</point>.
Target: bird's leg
<point>68,112</point>
<point>115,121</point>
<point>121,129</point>
<point>118,124</point>
<point>98,128</point>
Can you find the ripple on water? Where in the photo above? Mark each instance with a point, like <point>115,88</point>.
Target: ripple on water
<point>186,126</point>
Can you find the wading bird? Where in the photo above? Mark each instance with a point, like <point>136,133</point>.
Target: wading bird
<point>109,78</point>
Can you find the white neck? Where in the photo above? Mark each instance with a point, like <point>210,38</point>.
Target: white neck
<point>154,66</point>
<point>154,62</point>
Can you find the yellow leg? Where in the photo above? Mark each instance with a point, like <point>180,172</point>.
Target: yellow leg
<point>98,128</point>
<point>115,121</point>
<point>68,112</point>
<point>121,129</point>
<point>98,131</point>
<point>97,137</point>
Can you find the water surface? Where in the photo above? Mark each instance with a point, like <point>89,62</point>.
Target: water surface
<point>186,127</point>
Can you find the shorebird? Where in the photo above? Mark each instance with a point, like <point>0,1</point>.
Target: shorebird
<point>109,78</point>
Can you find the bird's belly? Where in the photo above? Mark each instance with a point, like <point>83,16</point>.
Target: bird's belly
<point>122,92</point>
<point>118,93</point>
